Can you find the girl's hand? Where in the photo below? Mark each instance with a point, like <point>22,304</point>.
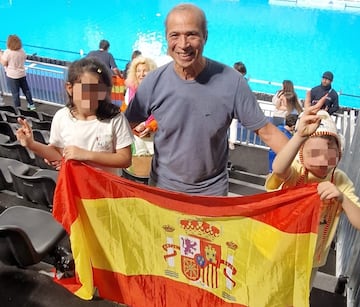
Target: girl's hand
<point>309,120</point>
<point>74,153</point>
<point>328,190</point>
<point>55,164</point>
<point>24,134</point>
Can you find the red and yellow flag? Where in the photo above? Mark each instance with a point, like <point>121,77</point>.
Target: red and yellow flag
<point>144,246</point>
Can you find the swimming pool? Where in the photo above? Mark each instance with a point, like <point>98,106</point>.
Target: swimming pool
<point>275,42</point>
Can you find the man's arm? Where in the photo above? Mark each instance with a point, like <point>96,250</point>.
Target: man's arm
<point>272,137</point>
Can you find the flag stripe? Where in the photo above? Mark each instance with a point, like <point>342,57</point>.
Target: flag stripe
<point>273,210</point>
<point>138,291</point>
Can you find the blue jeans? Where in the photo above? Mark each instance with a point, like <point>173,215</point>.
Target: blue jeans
<point>15,86</point>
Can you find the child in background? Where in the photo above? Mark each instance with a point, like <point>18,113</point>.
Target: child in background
<point>288,130</point>
<point>90,128</point>
<point>312,155</point>
<point>13,59</point>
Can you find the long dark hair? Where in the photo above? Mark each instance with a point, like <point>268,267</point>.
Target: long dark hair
<point>106,109</point>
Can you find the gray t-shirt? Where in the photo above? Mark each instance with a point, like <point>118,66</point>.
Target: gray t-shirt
<point>191,144</point>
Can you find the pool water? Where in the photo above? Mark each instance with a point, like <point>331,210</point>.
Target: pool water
<point>275,42</point>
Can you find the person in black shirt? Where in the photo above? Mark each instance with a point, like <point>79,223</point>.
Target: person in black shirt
<point>332,100</point>
<point>106,57</point>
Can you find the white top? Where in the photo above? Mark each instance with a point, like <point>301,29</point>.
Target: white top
<point>94,135</point>
<point>15,59</point>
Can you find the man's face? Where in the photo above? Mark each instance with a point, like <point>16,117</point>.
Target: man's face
<point>88,92</point>
<point>325,82</point>
<point>321,155</point>
<point>185,38</point>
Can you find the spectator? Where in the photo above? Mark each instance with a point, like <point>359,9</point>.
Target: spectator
<point>194,100</point>
<point>286,102</point>
<point>332,102</point>
<point>135,54</point>
<point>90,128</point>
<point>13,59</point>
<point>241,68</point>
<point>310,156</point>
<point>106,57</point>
<point>139,68</point>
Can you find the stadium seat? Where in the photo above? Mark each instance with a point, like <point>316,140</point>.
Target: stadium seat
<point>29,113</point>
<point>8,108</point>
<point>27,235</point>
<point>16,151</point>
<point>7,129</point>
<point>40,124</point>
<point>46,116</point>
<point>11,117</point>
<point>6,182</point>
<point>38,187</point>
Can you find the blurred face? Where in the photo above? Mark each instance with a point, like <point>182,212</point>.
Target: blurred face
<point>88,91</point>
<point>321,155</point>
<point>141,72</point>
<point>185,38</point>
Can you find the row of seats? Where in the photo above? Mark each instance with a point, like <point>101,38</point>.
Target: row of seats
<point>36,58</point>
<point>10,147</point>
<point>28,234</point>
<point>30,183</point>
<point>39,116</point>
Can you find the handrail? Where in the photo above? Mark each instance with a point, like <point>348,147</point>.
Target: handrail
<point>81,53</point>
<point>296,87</point>
<point>47,86</point>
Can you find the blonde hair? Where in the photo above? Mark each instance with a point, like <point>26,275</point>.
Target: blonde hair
<point>131,80</point>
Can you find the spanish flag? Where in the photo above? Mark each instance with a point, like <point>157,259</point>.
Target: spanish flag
<point>144,246</point>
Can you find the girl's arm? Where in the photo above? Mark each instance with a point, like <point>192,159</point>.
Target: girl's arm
<point>119,159</point>
<point>25,137</point>
<point>284,158</point>
<point>308,123</point>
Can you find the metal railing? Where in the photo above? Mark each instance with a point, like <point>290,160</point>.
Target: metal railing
<point>46,82</point>
<point>47,85</point>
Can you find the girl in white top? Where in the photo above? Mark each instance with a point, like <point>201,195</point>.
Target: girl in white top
<point>286,101</point>
<point>90,128</point>
<point>13,59</point>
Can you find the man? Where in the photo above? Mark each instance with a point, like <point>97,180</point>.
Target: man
<point>332,100</point>
<point>106,57</point>
<point>134,55</point>
<point>194,100</point>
